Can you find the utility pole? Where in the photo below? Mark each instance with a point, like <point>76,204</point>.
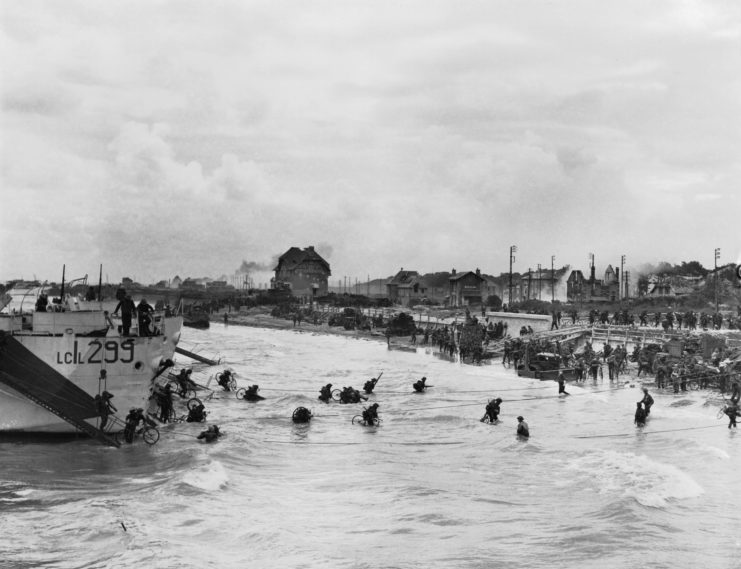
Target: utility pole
<point>717,256</point>
<point>539,281</point>
<point>529,281</point>
<point>627,280</point>
<point>620,280</point>
<point>553,279</point>
<point>512,251</point>
<point>591,270</point>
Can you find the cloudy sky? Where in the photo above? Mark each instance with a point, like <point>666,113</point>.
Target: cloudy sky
<point>162,138</point>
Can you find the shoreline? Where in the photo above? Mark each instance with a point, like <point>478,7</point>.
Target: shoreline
<point>270,322</point>
<point>266,321</point>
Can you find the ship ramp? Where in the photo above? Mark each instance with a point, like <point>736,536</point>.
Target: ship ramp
<point>30,376</point>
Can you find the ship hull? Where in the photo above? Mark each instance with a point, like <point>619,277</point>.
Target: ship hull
<point>130,363</point>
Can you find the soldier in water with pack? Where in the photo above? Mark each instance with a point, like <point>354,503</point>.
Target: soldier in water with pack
<point>492,411</point>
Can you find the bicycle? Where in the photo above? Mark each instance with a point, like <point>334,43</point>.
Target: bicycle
<point>230,384</point>
<point>193,403</point>
<point>487,419</point>
<point>149,433</point>
<point>183,393</point>
<point>361,421</point>
<point>301,415</point>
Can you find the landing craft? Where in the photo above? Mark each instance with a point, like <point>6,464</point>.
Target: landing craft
<point>51,366</point>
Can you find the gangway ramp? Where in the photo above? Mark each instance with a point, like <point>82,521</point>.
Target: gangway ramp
<point>31,377</point>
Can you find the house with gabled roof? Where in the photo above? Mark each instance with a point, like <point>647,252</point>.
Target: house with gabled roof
<point>466,288</point>
<point>304,270</point>
<point>406,286</point>
<point>674,285</point>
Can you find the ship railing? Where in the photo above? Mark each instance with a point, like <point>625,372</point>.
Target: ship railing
<point>157,326</point>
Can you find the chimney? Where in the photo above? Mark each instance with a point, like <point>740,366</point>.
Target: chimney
<point>617,275</point>
<point>310,248</point>
<point>591,275</point>
<point>478,272</point>
<point>452,272</point>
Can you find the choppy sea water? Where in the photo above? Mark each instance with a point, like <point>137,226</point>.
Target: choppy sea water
<point>430,487</point>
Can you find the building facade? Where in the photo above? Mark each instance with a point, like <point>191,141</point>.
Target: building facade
<point>405,287</point>
<point>466,288</point>
<point>304,270</point>
<point>579,289</point>
<point>673,286</point>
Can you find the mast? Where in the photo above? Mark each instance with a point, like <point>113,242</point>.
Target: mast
<point>61,294</point>
<point>100,283</point>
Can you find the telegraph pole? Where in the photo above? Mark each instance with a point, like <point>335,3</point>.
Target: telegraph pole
<point>717,256</point>
<point>627,280</point>
<point>512,251</point>
<point>553,279</point>
<point>622,277</point>
<point>539,281</point>
<point>529,281</point>
<point>591,266</point>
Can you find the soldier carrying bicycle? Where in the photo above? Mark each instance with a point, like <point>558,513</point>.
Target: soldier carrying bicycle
<point>226,380</point>
<point>325,394</point>
<point>185,383</point>
<point>133,419</point>
<point>370,415</point>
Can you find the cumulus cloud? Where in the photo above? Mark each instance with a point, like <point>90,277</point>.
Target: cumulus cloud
<point>422,135</point>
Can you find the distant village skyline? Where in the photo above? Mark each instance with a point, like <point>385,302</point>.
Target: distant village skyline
<point>247,276</point>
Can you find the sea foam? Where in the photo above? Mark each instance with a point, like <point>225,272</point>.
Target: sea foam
<point>647,481</point>
<point>210,477</point>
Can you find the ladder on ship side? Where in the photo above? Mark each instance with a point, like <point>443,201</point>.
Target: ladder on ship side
<point>78,423</point>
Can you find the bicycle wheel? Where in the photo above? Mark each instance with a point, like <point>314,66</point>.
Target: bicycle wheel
<point>187,394</point>
<point>150,435</point>
<point>359,418</point>
<point>241,393</point>
<point>233,384</point>
<point>693,385</point>
<point>336,394</point>
<point>301,415</point>
<point>721,412</point>
<point>192,403</point>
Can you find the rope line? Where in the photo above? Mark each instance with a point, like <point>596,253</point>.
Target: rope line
<point>647,432</point>
<point>401,443</point>
<point>411,392</point>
